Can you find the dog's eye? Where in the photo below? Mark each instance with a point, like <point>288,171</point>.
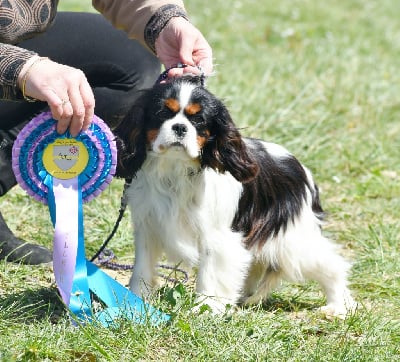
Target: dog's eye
<point>201,126</point>
<point>165,112</point>
<point>197,121</point>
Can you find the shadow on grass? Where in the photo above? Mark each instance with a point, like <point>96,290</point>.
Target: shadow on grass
<point>288,305</point>
<point>32,305</point>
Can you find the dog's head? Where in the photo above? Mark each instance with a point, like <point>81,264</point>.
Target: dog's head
<point>182,119</point>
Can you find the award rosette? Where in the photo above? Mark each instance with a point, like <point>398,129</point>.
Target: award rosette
<point>64,172</point>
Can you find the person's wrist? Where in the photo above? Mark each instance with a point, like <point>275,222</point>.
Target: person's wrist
<point>24,73</point>
<point>159,21</point>
<point>28,64</point>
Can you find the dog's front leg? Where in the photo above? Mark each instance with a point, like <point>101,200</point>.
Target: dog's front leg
<point>144,269</point>
<point>222,270</point>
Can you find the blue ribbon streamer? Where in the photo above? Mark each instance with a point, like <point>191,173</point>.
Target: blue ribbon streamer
<point>120,302</point>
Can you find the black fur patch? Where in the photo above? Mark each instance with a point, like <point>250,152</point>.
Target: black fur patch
<point>274,198</point>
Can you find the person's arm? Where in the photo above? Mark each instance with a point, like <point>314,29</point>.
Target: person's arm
<point>162,26</point>
<point>140,19</point>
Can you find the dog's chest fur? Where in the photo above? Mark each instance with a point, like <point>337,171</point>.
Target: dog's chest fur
<point>181,204</point>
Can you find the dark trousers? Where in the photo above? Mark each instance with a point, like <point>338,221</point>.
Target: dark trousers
<point>116,67</point>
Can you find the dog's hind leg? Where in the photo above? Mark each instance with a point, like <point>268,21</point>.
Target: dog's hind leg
<point>330,270</point>
<point>259,284</point>
<point>299,254</point>
<point>318,260</point>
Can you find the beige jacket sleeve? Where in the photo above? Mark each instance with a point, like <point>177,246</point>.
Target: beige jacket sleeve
<point>132,16</point>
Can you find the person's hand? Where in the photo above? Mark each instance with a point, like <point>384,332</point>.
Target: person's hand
<point>181,42</point>
<point>65,89</point>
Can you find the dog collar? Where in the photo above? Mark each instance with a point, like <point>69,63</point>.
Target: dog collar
<point>164,75</point>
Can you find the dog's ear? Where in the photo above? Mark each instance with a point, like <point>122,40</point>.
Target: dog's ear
<point>226,150</point>
<point>131,143</point>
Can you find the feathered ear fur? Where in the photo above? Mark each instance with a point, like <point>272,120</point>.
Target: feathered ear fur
<point>226,151</point>
<point>131,143</point>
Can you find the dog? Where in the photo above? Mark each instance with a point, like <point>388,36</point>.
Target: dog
<point>245,212</point>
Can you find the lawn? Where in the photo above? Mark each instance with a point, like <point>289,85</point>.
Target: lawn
<point>324,81</point>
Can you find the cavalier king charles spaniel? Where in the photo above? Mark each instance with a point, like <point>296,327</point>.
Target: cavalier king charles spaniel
<point>245,212</point>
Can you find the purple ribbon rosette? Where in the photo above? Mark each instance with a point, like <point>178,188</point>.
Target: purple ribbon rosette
<point>64,172</point>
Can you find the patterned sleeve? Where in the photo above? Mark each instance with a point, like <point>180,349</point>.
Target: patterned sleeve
<point>12,60</point>
<point>141,19</point>
<point>158,21</point>
<point>20,20</point>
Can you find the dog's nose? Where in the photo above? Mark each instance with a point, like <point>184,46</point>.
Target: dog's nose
<point>180,129</point>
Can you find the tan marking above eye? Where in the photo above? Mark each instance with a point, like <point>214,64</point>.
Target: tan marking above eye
<point>172,104</point>
<point>192,109</point>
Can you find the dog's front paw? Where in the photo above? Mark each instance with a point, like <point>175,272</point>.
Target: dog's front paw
<point>339,310</point>
<point>252,300</point>
<point>140,289</point>
<point>214,305</point>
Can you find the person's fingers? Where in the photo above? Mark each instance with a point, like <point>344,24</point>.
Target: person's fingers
<point>88,103</point>
<point>60,108</point>
<point>54,101</point>
<point>64,121</point>
<point>202,55</point>
<point>205,64</point>
<point>82,103</point>
<point>177,72</point>
<point>78,111</point>
<point>187,50</point>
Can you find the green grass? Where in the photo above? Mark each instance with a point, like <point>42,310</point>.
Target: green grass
<point>324,81</point>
